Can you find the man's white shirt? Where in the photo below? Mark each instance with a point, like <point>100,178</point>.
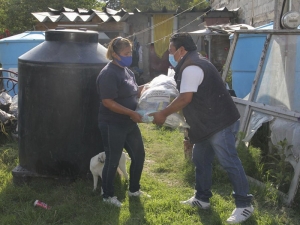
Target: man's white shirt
<point>192,77</point>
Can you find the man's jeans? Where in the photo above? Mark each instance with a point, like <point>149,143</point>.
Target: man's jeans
<point>221,144</point>
<point>115,137</point>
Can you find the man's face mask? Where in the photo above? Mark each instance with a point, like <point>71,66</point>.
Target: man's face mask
<point>172,59</point>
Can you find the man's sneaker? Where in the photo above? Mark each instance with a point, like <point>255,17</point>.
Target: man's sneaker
<point>240,214</point>
<point>113,201</point>
<point>196,202</point>
<point>138,194</point>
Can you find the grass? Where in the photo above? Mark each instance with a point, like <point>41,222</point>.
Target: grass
<point>168,177</point>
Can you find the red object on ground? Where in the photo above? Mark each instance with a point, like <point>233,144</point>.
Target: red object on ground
<point>41,204</point>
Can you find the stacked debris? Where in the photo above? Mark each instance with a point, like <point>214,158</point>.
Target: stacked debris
<point>8,115</point>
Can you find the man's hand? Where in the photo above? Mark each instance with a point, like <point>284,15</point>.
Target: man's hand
<point>159,118</point>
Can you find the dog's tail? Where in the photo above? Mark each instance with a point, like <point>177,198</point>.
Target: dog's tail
<point>127,156</point>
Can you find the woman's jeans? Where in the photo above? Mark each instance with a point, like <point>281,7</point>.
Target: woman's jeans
<point>221,144</point>
<point>115,137</point>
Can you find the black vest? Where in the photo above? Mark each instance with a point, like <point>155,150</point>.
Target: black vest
<point>212,108</point>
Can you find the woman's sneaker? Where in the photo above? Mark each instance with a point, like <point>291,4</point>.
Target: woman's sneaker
<point>240,214</point>
<point>113,201</point>
<point>138,194</point>
<point>196,202</point>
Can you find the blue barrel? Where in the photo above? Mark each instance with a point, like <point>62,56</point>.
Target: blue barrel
<point>13,47</point>
<point>58,105</point>
<point>245,60</point>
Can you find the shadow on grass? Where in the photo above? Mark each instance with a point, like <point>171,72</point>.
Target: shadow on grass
<point>221,185</point>
<point>209,217</point>
<point>120,187</point>
<point>137,214</point>
<point>188,174</point>
<point>71,203</point>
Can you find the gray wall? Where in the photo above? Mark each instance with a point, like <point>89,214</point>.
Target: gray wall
<point>254,12</point>
<point>140,25</point>
<point>185,24</point>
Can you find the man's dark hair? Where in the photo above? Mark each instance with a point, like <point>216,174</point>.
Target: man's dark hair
<point>183,39</point>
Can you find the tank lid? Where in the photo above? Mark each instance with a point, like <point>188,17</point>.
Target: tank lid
<point>72,35</point>
<point>27,36</point>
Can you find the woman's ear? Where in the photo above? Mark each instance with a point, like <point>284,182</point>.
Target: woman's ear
<point>116,56</point>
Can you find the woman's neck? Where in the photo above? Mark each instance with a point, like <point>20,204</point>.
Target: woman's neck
<point>114,62</point>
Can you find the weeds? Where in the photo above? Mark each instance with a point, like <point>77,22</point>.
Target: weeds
<point>167,176</point>
<point>279,170</point>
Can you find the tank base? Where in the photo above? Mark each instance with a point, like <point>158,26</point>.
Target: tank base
<point>23,176</point>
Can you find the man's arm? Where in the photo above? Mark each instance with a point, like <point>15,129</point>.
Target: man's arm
<point>176,105</point>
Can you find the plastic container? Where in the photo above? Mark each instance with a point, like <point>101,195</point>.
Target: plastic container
<point>13,47</point>
<point>58,105</point>
<point>245,60</point>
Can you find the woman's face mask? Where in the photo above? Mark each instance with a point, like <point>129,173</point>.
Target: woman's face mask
<point>125,61</point>
<point>172,59</point>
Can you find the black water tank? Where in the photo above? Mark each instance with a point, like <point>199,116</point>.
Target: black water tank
<point>58,104</point>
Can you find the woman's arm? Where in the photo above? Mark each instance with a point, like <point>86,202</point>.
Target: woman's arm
<point>140,89</point>
<point>117,108</point>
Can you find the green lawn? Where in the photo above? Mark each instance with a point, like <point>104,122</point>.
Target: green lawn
<point>168,177</point>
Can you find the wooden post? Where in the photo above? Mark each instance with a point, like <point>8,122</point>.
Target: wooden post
<point>188,147</point>
<point>277,13</point>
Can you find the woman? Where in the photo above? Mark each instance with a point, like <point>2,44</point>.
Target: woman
<point>117,119</point>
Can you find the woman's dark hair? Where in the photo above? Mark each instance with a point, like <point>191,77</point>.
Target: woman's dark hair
<point>183,39</point>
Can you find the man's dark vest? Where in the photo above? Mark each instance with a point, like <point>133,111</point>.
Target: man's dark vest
<point>212,108</point>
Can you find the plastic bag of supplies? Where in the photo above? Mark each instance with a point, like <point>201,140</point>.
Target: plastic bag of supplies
<point>157,95</point>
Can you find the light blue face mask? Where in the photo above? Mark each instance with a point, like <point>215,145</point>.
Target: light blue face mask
<point>172,60</point>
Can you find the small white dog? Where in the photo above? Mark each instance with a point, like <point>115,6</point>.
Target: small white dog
<point>97,164</point>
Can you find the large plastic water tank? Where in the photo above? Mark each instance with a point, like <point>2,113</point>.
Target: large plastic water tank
<point>13,47</point>
<point>58,105</point>
<point>245,60</point>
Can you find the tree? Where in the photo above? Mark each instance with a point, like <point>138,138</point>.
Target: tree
<point>144,5</point>
<point>157,5</point>
<point>16,17</point>
<point>113,4</point>
<point>20,19</point>
<point>2,18</point>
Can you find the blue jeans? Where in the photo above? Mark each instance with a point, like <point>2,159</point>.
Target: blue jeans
<point>115,137</point>
<point>221,144</point>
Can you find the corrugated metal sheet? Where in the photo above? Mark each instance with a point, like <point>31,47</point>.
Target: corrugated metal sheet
<point>84,15</point>
<point>81,15</point>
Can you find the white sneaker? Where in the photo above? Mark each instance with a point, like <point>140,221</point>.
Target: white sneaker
<point>113,201</point>
<point>138,194</point>
<point>240,214</point>
<point>196,202</point>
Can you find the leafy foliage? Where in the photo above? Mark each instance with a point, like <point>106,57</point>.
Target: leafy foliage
<point>16,14</point>
<point>167,177</point>
<point>270,167</point>
<point>279,170</point>
<point>158,5</point>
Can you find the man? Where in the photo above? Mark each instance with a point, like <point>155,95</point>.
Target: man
<point>214,120</point>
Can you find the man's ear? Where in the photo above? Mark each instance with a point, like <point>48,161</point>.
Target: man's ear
<point>182,50</point>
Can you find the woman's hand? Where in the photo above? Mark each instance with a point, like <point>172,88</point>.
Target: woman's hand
<point>136,117</point>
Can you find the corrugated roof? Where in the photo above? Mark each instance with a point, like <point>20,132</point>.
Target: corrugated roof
<point>85,15</point>
<point>81,15</point>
